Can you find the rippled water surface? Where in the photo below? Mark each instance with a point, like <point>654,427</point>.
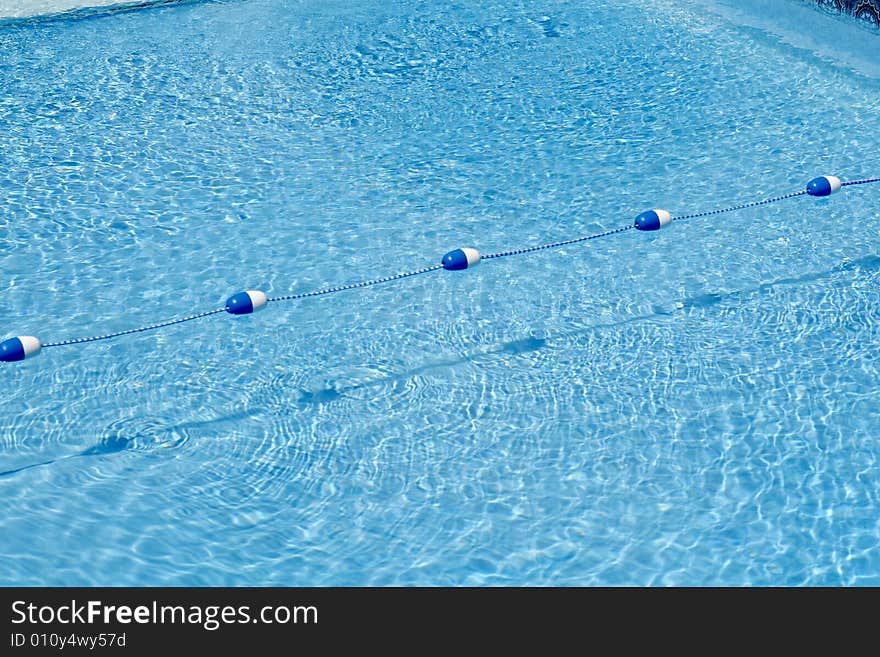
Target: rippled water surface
<point>697,406</point>
<point>52,8</point>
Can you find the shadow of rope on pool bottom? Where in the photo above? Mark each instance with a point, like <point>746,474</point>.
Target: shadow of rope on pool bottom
<point>145,438</point>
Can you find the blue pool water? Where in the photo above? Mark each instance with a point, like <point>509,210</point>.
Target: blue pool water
<point>697,406</point>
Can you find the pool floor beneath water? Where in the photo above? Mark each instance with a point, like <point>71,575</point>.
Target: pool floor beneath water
<point>691,406</point>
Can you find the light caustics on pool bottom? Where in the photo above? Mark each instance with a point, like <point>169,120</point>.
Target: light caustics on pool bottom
<point>695,406</point>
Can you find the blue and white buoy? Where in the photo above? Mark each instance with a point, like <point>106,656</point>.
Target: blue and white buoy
<point>653,220</point>
<point>24,346</point>
<point>461,259</point>
<point>247,302</point>
<point>823,186</point>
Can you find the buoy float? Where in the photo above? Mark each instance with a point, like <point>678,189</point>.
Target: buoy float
<point>24,346</point>
<point>653,220</point>
<point>461,259</point>
<point>247,302</point>
<point>823,186</point>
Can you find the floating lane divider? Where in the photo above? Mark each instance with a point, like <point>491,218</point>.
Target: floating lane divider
<point>250,301</point>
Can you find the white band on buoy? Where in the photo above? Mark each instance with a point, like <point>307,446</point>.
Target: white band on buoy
<point>30,344</point>
<point>472,255</point>
<point>664,217</point>
<point>258,299</point>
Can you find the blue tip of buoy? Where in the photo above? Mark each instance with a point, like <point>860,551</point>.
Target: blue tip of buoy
<point>244,303</point>
<point>653,220</point>
<point>823,186</point>
<point>460,259</point>
<point>16,349</point>
<point>11,350</point>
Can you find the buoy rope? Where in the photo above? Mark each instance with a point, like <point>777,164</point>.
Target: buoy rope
<point>141,329</point>
<point>753,204</point>
<point>352,286</point>
<point>289,297</point>
<point>864,181</point>
<point>553,245</point>
<point>461,261</point>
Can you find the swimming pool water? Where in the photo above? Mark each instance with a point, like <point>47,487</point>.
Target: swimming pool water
<point>697,406</point>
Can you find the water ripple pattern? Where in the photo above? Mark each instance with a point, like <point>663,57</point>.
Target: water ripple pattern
<point>72,9</point>
<point>693,406</point>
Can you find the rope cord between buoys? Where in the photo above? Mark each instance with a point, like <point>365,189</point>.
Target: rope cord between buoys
<point>464,261</point>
